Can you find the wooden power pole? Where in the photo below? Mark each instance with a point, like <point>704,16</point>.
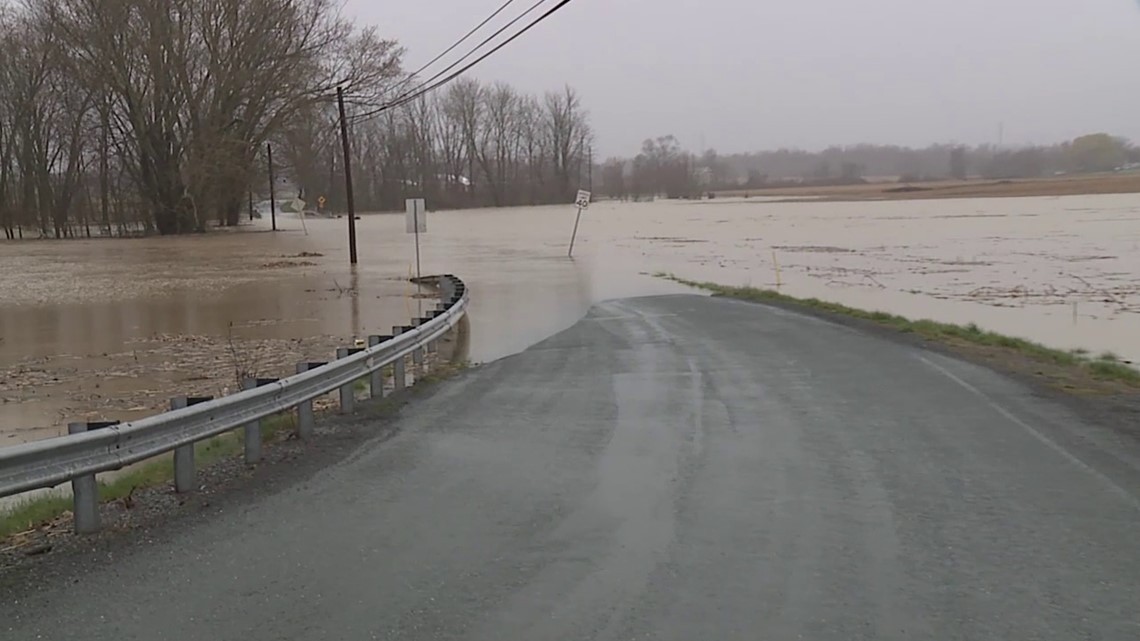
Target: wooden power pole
<point>349,201</point>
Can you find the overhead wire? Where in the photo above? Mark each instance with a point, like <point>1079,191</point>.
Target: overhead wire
<point>477,47</point>
<point>435,82</point>
<point>400,98</point>
<point>415,74</point>
<point>479,26</point>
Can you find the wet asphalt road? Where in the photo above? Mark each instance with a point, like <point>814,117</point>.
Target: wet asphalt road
<point>669,468</point>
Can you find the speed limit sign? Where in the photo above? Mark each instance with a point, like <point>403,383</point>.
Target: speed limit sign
<point>583,199</point>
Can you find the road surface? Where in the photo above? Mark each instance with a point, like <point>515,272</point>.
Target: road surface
<point>669,468</point>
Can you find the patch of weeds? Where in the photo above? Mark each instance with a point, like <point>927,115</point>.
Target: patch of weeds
<point>272,426</point>
<point>32,513</point>
<point>1113,371</point>
<point>443,371</point>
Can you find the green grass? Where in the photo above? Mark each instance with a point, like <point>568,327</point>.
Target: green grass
<point>442,371</point>
<point>1108,370</point>
<point>1106,367</point>
<point>363,384</point>
<point>26,515</point>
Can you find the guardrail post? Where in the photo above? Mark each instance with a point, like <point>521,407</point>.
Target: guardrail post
<point>305,421</point>
<point>184,455</point>
<point>418,368</point>
<point>376,379</point>
<point>84,494</point>
<point>347,393</point>
<point>252,430</point>
<point>399,374</point>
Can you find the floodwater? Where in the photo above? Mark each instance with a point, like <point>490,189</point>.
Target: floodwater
<point>112,328</point>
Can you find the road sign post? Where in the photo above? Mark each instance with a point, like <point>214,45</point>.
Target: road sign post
<point>583,202</point>
<point>272,185</point>
<point>416,223</point>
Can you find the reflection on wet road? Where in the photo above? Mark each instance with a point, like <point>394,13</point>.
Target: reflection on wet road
<point>1062,271</point>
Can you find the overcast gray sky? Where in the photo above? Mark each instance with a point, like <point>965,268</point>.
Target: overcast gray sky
<point>744,75</point>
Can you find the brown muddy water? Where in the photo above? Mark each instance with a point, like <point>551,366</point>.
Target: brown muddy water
<point>111,329</point>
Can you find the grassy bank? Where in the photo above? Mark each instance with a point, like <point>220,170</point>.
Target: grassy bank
<point>1105,367</point>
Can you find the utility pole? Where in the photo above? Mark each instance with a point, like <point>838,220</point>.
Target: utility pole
<point>347,178</point>
<point>590,175</point>
<point>272,186</point>
<point>104,175</point>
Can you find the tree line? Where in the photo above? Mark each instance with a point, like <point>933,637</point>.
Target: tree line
<point>664,168</point>
<point>470,145</point>
<point>121,117</point>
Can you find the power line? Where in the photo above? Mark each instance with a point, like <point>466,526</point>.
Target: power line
<point>461,40</point>
<point>480,45</point>
<point>412,76</point>
<point>428,86</point>
<point>400,98</point>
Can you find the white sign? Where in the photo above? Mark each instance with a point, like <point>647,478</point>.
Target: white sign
<point>583,199</point>
<point>416,220</point>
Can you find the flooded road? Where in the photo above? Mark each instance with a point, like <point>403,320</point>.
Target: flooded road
<point>112,328</point>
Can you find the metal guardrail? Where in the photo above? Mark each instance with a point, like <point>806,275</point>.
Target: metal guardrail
<point>78,457</point>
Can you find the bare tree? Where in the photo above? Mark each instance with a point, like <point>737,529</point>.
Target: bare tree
<point>569,138</point>
<point>497,140</point>
<point>199,85</point>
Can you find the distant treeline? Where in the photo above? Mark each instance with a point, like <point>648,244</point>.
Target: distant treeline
<point>470,145</point>
<point>663,168</point>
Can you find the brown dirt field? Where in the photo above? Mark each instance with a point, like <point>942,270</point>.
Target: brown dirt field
<point>1069,185</point>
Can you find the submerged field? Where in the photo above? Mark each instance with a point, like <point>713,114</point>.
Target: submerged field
<point>112,328</point>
